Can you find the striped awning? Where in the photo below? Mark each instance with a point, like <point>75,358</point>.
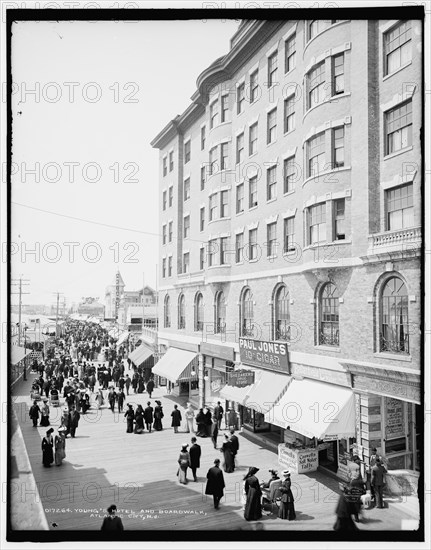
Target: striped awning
<point>18,354</point>
<point>267,390</point>
<point>139,355</point>
<point>176,364</point>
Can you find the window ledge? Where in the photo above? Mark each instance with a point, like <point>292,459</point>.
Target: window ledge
<point>400,152</point>
<point>291,252</point>
<point>271,200</point>
<point>253,261</point>
<point>333,98</point>
<point>272,143</point>
<point>289,132</point>
<point>290,71</point>
<point>220,124</point>
<point>396,71</point>
<point>240,213</point>
<point>272,257</point>
<point>393,356</point>
<point>324,244</point>
<point>289,193</point>
<point>218,266</point>
<point>239,263</point>
<point>326,172</point>
<point>335,349</point>
<point>252,155</point>
<point>253,207</point>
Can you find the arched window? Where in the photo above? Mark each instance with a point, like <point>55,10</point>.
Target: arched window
<point>220,314</point>
<point>181,312</point>
<point>167,312</point>
<point>282,315</point>
<point>199,312</point>
<point>394,317</point>
<point>329,327</point>
<point>247,314</point>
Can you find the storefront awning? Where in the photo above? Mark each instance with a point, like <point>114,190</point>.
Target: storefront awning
<point>233,393</point>
<point>267,390</point>
<point>122,338</point>
<point>18,353</point>
<point>175,365</point>
<point>139,355</point>
<point>315,409</point>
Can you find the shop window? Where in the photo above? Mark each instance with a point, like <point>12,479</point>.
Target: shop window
<point>182,312</point>
<point>220,324</point>
<point>247,326</point>
<point>394,337</point>
<point>282,315</point>
<point>199,312</point>
<point>167,312</point>
<point>329,328</point>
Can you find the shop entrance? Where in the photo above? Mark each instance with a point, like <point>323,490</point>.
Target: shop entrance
<point>328,455</point>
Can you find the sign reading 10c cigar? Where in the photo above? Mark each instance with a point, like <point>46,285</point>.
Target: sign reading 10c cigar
<point>265,355</point>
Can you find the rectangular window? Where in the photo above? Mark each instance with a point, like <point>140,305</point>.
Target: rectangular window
<point>399,207</point>
<point>239,245</point>
<point>240,148</point>
<point>202,218</point>
<point>224,204</point>
<point>164,200</point>
<point>252,143</point>
<point>271,126</point>
<point>316,154</point>
<point>164,234</point>
<point>398,122</point>
<point>164,268</point>
<point>272,68</point>
<point>186,262</point>
<point>240,198</point>
<point>224,156</point>
<point>290,54</point>
<point>271,183</point>
<point>289,114</point>
<point>186,227</point>
<point>398,46</point>
<point>223,248</point>
<point>187,189</point>
<point>170,266</point>
<point>317,224</point>
<point>339,220</point>
<point>170,231</point>
<point>203,168</point>
<point>289,235</point>
<point>212,247</point>
<point>252,196</point>
<point>271,239</point>
<point>171,195</point>
<point>171,161</point>
<point>254,85</point>
<point>165,166</point>
<point>240,98</point>
<point>338,147</point>
<point>289,174</point>
<point>252,244</point>
<point>187,151</point>
<point>316,85</point>
<point>213,207</point>
<point>213,161</point>
<point>201,258</point>
<point>224,108</point>
<point>338,74</point>
<point>214,114</point>
<point>203,137</point>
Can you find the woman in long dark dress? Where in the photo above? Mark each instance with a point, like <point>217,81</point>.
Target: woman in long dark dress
<point>44,419</point>
<point>287,508</point>
<point>47,449</point>
<point>201,424</point>
<point>226,449</point>
<point>60,446</point>
<point>253,505</point>
<point>158,415</point>
<point>344,522</point>
<point>141,385</point>
<point>139,420</point>
<point>130,416</point>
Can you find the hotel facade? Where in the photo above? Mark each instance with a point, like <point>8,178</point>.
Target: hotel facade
<point>290,249</point>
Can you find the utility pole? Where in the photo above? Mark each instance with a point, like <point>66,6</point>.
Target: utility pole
<point>56,312</point>
<point>21,282</point>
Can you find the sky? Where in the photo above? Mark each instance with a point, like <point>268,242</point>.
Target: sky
<point>88,97</point>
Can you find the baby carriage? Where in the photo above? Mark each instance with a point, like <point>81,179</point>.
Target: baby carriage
<point>35,392</point>
<point>54,398</point>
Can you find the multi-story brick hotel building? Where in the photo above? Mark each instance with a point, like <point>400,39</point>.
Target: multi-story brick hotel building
<point>290,214</point>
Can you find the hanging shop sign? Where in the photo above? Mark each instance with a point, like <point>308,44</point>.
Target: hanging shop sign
<point>240,378</point>
<point>265,355</point>
<point>394,418</point>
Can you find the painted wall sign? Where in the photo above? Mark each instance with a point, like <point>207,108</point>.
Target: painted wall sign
<point>265,355</point>
<point>394,418</point>
<point>240,378</point>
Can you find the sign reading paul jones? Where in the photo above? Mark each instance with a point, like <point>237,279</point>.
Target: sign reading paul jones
<point>265,355</point>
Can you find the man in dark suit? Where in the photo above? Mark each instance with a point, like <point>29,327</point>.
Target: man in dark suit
<point>218,414</point>
<point>148,416</point>
<point>150,387</point>
<point>215,483</point>
<point>235,443</point>
<point>195,457</point>
<point>112,522</point>
<point>378,472</point>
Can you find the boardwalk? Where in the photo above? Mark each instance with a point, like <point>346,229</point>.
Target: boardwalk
<point>105,465</point>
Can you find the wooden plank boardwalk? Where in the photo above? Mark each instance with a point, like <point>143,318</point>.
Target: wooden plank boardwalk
<point>105,465</point>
